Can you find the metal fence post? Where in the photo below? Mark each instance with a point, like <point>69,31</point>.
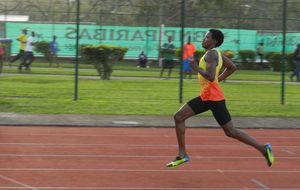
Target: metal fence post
<point>283,59</point>
<point>77,49</point>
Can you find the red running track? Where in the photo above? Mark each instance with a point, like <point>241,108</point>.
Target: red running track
<point>87,158</point>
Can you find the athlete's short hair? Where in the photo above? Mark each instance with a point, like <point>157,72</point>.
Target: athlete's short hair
<point>217,35</point>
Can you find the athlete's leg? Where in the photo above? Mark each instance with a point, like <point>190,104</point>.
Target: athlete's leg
<point>161,72</point>
<point>169,73</point>
<point>184,113</point>
<point>191,108</point>
<point>298,74</point>
<point>223,117</point>
<point>180,117</point>
<point>240,135</point>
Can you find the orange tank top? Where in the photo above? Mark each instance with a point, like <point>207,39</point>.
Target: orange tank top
<point>211,91</point>
<point>188,51</point>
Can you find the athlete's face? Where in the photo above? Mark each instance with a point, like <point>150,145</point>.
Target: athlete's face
<point>207,41</point>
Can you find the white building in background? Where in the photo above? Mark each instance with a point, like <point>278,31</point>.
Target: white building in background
<point>14,18</point>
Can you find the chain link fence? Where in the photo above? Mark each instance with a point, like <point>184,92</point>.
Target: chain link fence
<point>142,25</point>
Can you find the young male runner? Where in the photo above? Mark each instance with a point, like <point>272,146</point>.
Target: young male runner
<point>212,98</point>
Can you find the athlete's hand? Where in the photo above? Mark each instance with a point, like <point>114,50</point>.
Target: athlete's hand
<point>191,59</point>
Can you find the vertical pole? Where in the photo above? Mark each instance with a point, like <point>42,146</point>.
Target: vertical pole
<point>161,34</point>
<point>182,19</point>
<point>283,52</point>
<point>147,37</point>
<point>5,19</point>
<point>77,48</point>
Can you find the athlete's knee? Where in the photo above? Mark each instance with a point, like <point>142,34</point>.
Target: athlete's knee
<point>178,117</point>
<point>231,132</point>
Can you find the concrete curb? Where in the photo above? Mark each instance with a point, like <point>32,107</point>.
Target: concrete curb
<point>15,119</point>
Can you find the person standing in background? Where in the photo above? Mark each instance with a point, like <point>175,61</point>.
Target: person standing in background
<point>22,45</point>
<point>28,57</point>
<point>188,53</point>
<point>296,61</point>
<point>1,56</point>
<point>53,51</point>
<point>168,53</point>
<point>260,52</point>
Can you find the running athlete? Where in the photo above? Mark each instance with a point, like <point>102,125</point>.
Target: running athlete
<point>212,98</point>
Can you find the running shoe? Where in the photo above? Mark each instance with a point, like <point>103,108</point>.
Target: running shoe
<point>269,154</point>
<point>179,160</point>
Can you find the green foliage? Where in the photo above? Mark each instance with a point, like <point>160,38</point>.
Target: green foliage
<point>290,62</point>
<point>248,58</point>
<point>43,47</point>
<point>103,57</point>
<point>197,55</point>
<point>7,49</point>
<point>229,54</point>
<point>275,59</point>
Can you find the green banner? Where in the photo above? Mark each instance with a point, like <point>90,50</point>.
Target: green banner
<point>139,39</point>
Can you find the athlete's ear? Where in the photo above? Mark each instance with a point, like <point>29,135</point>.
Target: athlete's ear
<point>215,42</point>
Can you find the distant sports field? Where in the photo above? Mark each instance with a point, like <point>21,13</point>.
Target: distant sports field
<point>137,92</point>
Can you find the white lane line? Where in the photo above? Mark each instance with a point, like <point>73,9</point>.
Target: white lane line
<point>126,123</point>
<point>135,145</point>
<point>220,171</point>
<point>18,183</point>
<point>288,151</point>
<point>145,170</point>
<point>259,183</point>
<point>148,188</point>
<point>143,135</point>
<point>136,156</point>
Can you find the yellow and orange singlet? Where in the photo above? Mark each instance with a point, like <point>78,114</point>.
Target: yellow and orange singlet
<point>22,41</point>
<point>211,91</point>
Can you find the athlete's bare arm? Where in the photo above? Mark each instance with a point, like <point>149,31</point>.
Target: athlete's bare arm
<point>211,59</point>
<point>229,68</point>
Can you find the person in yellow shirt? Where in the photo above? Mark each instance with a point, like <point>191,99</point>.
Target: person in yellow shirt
<point>211,97</point>
<point>22,45</point>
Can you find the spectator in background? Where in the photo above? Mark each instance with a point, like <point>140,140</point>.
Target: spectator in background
<point>168,53</point>
<point>28,57</point>
<point>188,53</point>
<point>142,60</point>
<point>53,49</point>
<point>296,61</point>
<point>260,52</point>
<point>22,45</point>
<point>1,56</point>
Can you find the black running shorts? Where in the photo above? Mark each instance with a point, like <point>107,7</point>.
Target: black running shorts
<point>168,64</point>
<point>218,109</point>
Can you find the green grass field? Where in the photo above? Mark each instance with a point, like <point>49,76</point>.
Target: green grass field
<point>125,69</point>
<point>143,94</point>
